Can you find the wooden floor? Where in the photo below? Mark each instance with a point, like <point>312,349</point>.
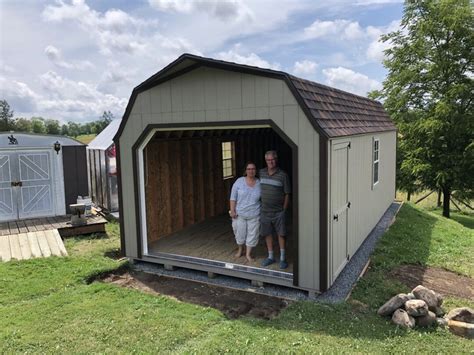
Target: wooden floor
<point>62,223</point>
<point>213,239</point>
<point>39,244</point>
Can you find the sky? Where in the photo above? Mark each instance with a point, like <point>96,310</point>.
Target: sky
<point>73,60</point>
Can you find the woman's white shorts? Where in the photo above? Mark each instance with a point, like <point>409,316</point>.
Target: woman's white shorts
<point>246,231</point>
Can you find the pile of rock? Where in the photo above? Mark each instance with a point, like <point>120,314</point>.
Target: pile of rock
<point>422,307</point>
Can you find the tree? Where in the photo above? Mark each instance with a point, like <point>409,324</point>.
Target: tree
<point>38,125</point>
<point>428,92</point>
<point>52,126</point>
<point>6,115</point>
<point>64,130</point>
<point>22,124</point>
<point>104,121</point>
<point>73,129</point>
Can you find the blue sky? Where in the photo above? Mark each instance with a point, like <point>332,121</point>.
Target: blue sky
<point>71,60</point>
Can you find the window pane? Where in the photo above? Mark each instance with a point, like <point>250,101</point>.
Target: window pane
<point>376,172</point>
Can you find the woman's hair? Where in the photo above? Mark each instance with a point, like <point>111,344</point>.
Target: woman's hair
<point>246,166</point>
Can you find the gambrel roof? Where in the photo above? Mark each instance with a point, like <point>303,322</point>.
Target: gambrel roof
<point>332,112</point>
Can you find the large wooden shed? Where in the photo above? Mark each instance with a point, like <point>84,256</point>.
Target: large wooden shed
<point>40,175</point>
<point>188,131</point>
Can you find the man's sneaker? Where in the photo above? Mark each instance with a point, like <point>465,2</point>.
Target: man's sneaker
<point>283,264</point>
<point>267,262</point>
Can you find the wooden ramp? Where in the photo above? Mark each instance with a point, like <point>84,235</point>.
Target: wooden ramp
<point>28,245</point>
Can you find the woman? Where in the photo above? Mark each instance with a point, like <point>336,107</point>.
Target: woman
<point>245,210</point>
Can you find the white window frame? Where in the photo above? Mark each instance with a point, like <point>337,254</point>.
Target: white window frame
<point>375,160</point>
<point>231,159</point>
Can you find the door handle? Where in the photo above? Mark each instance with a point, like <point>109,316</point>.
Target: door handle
<point>336,217</point>
<point>16,183</point>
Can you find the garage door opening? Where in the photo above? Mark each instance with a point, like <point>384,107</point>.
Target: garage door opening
<point>188,175</point>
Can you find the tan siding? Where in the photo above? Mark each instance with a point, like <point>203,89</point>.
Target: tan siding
<point>212,95</point>
<point>367,204</point>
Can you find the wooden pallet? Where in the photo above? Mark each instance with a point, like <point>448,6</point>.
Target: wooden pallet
<point>28,245</point>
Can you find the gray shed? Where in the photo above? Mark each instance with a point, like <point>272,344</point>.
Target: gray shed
<point>188,131</point>
<point>103,169</point>
<point>40,175</point>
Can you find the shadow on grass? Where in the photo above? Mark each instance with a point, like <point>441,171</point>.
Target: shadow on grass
<point>92,236</point>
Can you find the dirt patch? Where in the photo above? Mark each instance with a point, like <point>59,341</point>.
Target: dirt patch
<point>444,282</point>
<point>233,303</point>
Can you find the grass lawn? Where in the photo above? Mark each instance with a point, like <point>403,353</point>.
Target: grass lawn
<point>86,138</point>
<point>46,305</point>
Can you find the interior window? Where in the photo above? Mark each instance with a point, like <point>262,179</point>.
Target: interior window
<point>228,160</point>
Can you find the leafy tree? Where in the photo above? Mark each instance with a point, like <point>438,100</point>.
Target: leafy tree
<point>428,92</point>
<point>104,121</point>
<point>52,126</point>
<point>37,124</point>
<point>22,124</point>
<point>64,130</point>
<point>6,115</point>
<point>73,129</point>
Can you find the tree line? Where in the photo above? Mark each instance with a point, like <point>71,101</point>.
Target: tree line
<point>50,126</point>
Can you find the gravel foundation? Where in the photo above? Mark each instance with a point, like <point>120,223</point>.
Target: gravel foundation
<point>337,293</point>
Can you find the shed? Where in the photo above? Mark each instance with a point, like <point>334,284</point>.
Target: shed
<point>189,129</point>
<point>103,169</point>
<point>40,175</point>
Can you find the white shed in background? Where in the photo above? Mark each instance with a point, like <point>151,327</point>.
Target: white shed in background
<point>40,175</point>
<point>102,169</point>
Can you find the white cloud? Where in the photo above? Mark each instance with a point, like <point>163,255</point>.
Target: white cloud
<point>305,67</point>
<point>55,56</point>
<point>376,2</point>
<point>224,10</point>
<point>250,59</point>
<point>349,80</point>
<point>375,49</point>
<point>18,94</point>
<point>344,29</point>
<point>115,30</point>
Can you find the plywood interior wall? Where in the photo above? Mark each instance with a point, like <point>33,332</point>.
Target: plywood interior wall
<point>184,180</point>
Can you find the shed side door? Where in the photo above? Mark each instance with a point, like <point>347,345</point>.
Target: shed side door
<point>339,206</point>
<point>8,195</point>
<point>36,197</point>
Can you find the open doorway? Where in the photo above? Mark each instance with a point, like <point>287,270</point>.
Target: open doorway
<point>188,175</point>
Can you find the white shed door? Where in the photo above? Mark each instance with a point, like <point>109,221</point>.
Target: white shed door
<point>26,185</point>
<point>36,197</point>
<point>339,206</point>
<point>8,198</point>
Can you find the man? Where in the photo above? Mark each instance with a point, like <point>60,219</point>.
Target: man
<point>275,186</point>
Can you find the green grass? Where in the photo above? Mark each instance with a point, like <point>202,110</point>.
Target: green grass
<point>46,305</point>
<point>86,138</point>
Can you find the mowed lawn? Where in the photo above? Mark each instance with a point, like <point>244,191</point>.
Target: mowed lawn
<point>47,305</point>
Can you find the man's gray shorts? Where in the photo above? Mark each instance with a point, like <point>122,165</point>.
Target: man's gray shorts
<point>273,222</point>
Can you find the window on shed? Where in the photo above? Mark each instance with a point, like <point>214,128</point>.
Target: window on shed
<point>228,160</point>
<point>375,165</point>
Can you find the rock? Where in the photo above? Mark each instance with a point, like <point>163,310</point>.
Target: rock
<point>461,328</point>
<point>403,319</point>
<point>439,312</point>
<point>443,323</point>
<point>392,304</point>
<point>411,296</point>
<point>425,294</point>
<point>426,320</point>
<point>416,308</point>
<point>440,298</point>
<point>462,314</point>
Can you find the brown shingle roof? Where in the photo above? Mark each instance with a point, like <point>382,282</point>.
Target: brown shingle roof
<point>340,113</point>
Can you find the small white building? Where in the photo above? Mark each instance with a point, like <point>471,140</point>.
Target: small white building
<point>186,135</point>
<point>40,175</point>
<point>103,169</point>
